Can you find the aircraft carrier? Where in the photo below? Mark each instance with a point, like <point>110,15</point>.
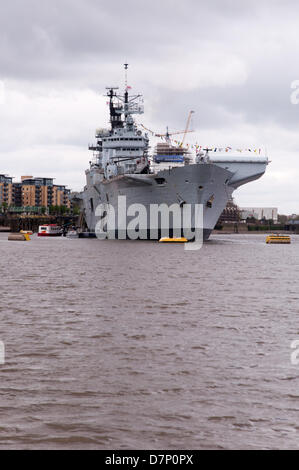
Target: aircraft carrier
<point>123,166</point>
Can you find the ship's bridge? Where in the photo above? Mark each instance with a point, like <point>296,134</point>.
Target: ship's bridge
<point>124,142</point>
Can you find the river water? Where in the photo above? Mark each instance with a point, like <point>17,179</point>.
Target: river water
<point>140,345</point>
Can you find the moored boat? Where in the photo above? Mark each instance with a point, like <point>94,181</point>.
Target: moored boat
<point>173,240</point>
<point>49,230</point>
<point>72,234</point>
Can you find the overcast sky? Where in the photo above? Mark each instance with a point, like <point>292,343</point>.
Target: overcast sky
<point>232,62</point>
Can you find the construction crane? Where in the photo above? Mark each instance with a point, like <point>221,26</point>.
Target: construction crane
<point>163,135</point>
<point>168,134</point>
<point>187,127</point>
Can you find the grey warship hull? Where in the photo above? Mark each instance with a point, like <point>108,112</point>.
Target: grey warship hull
<point>210,184</point>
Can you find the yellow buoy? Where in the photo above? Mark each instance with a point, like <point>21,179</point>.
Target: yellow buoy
<point>173,240</point>
<point>278,239</point>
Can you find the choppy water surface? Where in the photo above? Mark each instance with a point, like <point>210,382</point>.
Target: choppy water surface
<point>138,345</point>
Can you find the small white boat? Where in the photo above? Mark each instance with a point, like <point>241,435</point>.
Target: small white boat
<point>49,230</point>
<point>72,234</point>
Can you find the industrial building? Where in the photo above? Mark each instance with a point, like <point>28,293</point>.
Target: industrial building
<point>259,213</point>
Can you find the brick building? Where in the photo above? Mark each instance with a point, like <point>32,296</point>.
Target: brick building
<point>33,192</point>
<point>6,190</point>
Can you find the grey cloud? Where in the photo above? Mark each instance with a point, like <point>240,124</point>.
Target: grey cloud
<point>81,44</point>
<point>48,39</point>
<point>82,41</point>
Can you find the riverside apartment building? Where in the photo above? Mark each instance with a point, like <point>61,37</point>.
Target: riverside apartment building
<point>37,192</point>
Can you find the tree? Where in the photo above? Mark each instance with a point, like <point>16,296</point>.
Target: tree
<point>4,207</point>
<point>62,210</point>
<point>251,220</point>
<point>76,209</point>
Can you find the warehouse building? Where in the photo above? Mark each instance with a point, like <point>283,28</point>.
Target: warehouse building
<point>259,213</point>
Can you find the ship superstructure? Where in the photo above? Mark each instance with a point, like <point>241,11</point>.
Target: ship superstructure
<point>166,154</point>
<point>123,149</point>
<point>122,166</point>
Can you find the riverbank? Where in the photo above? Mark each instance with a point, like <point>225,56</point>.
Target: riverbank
<point>252,229</point>
<point>12,223</point>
